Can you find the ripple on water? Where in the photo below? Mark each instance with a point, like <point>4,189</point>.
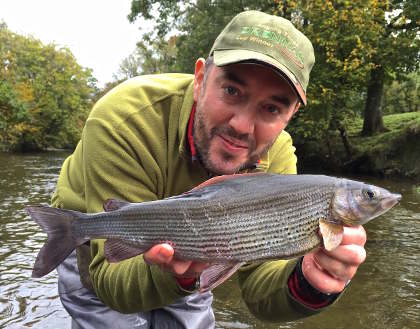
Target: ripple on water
<point>384,293</point>
<point>26,302</point>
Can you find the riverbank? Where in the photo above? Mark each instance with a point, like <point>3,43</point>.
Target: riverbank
<point>394,153</point>
<point>391,154</point>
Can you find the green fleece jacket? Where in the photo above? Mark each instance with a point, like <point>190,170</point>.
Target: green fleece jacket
<point>134,148</point>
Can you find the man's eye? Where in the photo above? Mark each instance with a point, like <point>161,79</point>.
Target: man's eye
<point>272,109</point>
<point>231,91</point>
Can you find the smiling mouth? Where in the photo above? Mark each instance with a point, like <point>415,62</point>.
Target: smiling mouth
<point>234,142</point>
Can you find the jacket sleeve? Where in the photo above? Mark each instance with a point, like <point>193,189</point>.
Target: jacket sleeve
<point>265,285</point>
<point>119,163</point>
<point>266,293</point>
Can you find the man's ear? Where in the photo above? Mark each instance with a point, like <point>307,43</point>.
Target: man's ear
<point>198,77</point>
<point>297,106</point>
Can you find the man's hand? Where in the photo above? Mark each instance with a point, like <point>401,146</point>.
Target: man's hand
<point>163,255</point>
<point>329,271</point>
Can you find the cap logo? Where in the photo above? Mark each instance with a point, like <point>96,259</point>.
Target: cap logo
<point>270,38</point>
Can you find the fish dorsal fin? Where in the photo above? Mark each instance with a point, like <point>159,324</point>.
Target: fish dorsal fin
<point>117,250</point>
<point>112,204</point>
<point>332,234</point>
<point>222,178</point>
<point>216,274</point>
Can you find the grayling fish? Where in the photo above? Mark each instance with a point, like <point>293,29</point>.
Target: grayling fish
<point>226,221</point>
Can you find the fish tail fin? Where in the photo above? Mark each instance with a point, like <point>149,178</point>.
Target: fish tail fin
<point>57,223</point>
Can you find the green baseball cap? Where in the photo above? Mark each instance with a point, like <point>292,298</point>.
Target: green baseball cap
<point>253,36</point>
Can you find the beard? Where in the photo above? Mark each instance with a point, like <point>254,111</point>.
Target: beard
<point>203,137</point>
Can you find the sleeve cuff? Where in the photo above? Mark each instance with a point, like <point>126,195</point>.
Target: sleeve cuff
<point>187,284</point>
<point>302,291</point>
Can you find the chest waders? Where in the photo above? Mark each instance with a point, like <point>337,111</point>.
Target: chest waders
<point>88,312</point>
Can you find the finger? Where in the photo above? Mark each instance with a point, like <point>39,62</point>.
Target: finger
<point>180,267</point>
<point>195,269</point>
<point>335,268</point>
<point>350,254</point>
<point>159,254</point>
<point>354,235</point>
<point>319,279</point>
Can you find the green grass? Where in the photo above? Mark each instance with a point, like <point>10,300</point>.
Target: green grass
<point>397,125</point>
<point>393,122</point>
<point>393,153</point>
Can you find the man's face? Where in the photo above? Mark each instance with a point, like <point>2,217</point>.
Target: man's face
<point>241,109</point>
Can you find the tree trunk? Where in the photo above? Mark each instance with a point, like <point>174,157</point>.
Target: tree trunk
<point>373,122</point>
<point>346,143</point>
<point>327,141</point>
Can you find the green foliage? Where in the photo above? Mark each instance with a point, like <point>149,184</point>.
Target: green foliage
<point>397,50</point>
<point>394,152</point>
<point>13,114</point>
<point>102,91</point>
<point>398,39</point>
<point>150,56</point>
<point>45,94</point>
<point>352,39</point>
<point>402,95</point>
<point>197,22</point>
<point>338,32</point>
<point>397,123</point>
<point>391,153</point>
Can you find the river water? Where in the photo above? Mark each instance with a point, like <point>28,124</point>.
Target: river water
<point>384,294</point>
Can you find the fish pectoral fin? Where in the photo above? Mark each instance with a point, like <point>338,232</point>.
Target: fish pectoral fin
<point>117,250</point>
<point>332,234</point>
<point>216,274</point>
<point>112,204</point>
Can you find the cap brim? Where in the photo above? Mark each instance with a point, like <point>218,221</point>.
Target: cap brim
<point>231,56</point>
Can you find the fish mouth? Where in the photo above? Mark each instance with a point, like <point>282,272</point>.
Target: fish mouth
<point>391,201</point>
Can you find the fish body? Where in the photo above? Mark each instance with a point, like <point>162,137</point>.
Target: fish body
<point>226,221</point>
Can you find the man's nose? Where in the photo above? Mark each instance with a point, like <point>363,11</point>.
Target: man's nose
<point>243,121</point>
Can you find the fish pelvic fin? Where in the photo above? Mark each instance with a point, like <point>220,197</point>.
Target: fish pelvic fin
<point>57,223</point>
<point>332,234</point>
<point>112,204</point>
<point>116,250</point>
<point>216,274</point>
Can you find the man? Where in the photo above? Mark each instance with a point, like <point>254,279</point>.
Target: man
<point>157,136</point>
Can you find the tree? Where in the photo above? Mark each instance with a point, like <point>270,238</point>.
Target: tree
<point>198,23</point>
<point>358,45</point>
<point>150,56</point>
<point>13,115</point>
<point>48,93</point>
<point>402,95</point>
<point>397,52</point>
<point>339,31</point>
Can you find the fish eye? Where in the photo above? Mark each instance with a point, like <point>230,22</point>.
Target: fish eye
<point>369,194</point>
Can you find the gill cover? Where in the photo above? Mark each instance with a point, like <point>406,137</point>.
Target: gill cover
<point>356,203</point>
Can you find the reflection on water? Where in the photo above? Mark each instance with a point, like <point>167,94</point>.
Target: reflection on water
<point>25,302</point>
<point>384,294</point>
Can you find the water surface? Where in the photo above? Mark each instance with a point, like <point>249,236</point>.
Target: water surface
<point>384,294</point>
